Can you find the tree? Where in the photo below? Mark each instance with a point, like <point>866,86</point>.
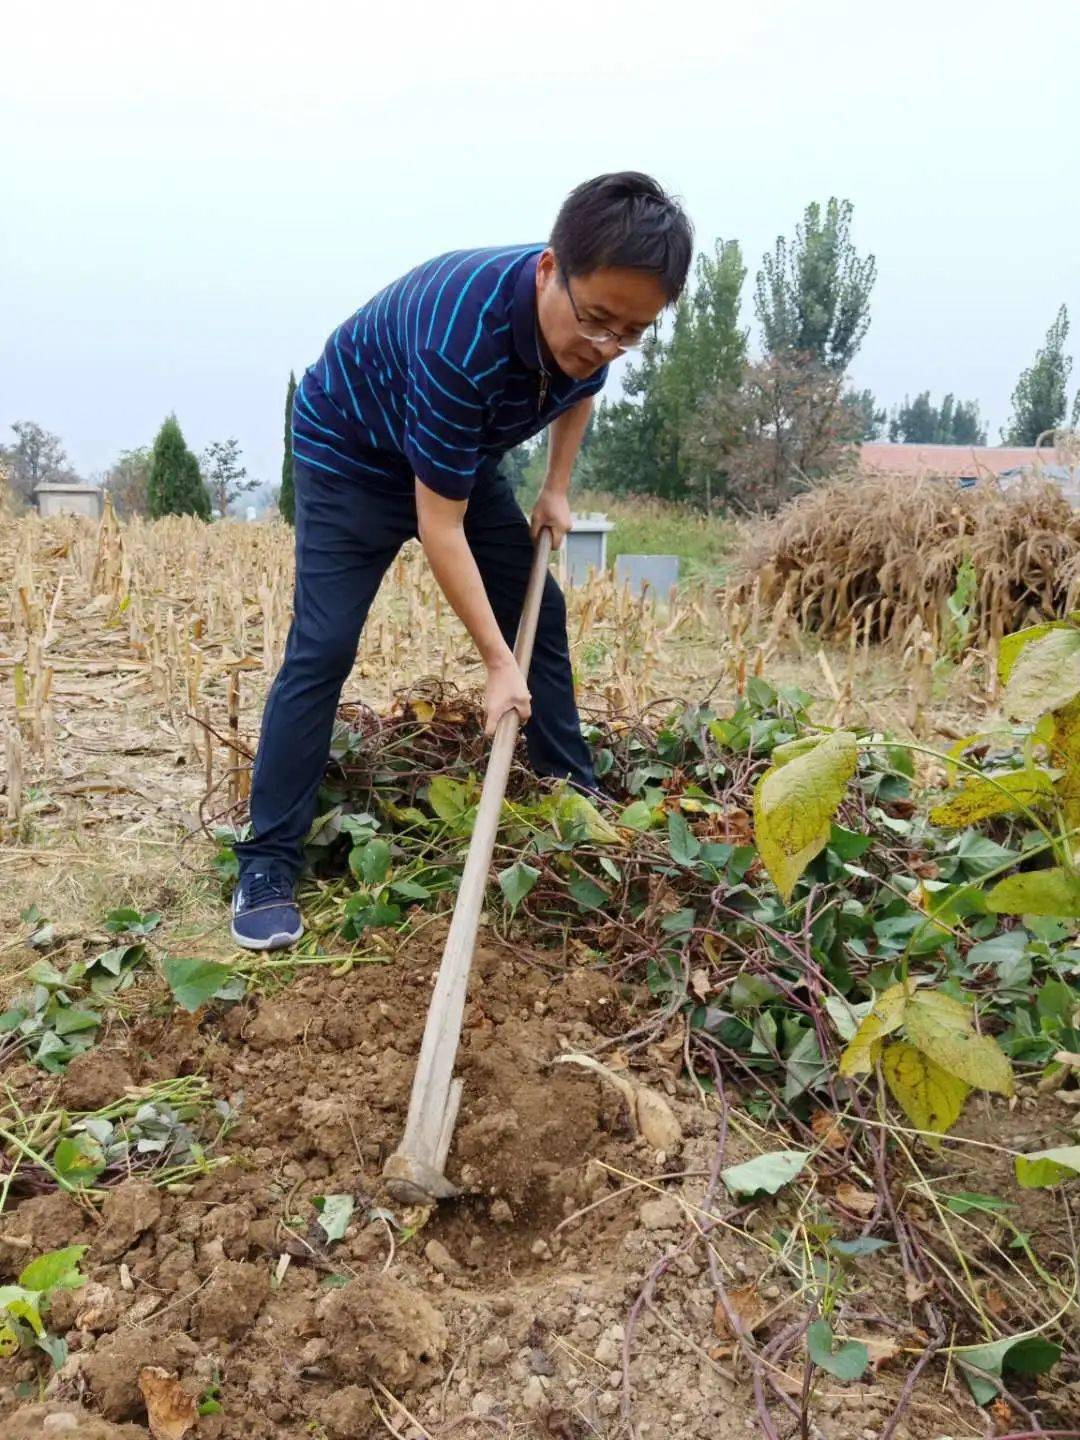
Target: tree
<point>128,482</point>
<point>225,477</point>
<point>813,296</point>
<point>867,419</point>
<point>640,442</point>
<point>1039,400</point>
<point>921,422</point>
<point>286,500</point>
<point>175,486</point>
<point>36,458</point>
<point>787,424</point>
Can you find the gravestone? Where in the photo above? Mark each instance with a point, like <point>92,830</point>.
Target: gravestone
<point>658,572</point>
<point>586,547</point>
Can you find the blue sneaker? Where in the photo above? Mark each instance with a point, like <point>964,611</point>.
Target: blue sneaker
<point>265,914</point>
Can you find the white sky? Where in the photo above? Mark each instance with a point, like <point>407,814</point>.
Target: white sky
<point>192,196</point>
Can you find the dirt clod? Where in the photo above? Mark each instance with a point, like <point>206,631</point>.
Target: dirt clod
<point>66,1422</point>
<point>231,1300</point>
<point>347,1413</point>
<point>93,1079</point>
<point>129,1210</point>
<point>380,1329</point>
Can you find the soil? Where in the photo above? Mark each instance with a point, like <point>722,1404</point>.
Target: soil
<point>506,1310</point>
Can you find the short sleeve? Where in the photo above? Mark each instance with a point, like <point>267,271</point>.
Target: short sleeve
<point>443,425</point>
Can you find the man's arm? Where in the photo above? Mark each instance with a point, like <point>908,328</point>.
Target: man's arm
<point>565,435</point>
<point>442,534</point>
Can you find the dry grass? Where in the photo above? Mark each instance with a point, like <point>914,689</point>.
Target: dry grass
<point>883,553</point>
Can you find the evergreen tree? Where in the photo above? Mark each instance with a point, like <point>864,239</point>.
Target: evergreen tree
<point>175,485</point>
<point>813,296</point>
<point>287,497</point>
<point>868,421</point>
<point>1039,400</point>
<point>640,441</point>
<point>921,422</point>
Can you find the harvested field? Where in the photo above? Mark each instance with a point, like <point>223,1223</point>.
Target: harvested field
<point>590,1284</point>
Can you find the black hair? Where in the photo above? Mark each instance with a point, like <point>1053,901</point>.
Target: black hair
<point>626,220</point>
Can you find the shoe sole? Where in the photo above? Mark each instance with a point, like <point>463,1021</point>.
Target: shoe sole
<point>280,940</point>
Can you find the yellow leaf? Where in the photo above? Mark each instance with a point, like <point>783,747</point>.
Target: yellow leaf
<point>929,1096</point>
<point>794,806</point>
<point>1046,675</point>
<point>1002,794</point>
<point>1065,755</point>
<point>423,710</point>
<point>887,1015</point>
<point>941,1028</point>
<point>1012,646</point>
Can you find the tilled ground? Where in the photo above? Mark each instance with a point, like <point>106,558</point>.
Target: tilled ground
<point>507,1312</point>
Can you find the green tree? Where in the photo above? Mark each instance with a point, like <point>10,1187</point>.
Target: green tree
<point>287,495</point>
<point>868,422</point>
<point>175,485</point>
<point>128,482</point>
<point>640,442</point>
<point>813,295</point>
<point>224,476</point>
<point>1039,400</point>
<point>36,458</point>
<point>921,422</point>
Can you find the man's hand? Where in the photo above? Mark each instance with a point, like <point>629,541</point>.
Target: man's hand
<point>506,690</point>
<point>552,509</point>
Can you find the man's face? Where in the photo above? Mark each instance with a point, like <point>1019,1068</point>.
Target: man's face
<point>611,305</point>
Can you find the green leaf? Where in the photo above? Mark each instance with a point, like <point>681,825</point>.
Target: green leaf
<point>846,1361</point>
<point>967,1200</point>
<point>769,1172</point>
<point>795,804</point>
<point>929,1096</point>
<point>335,1212</point>
<point>410,890</point>
<point>11,1020</point>
<point>637,816</point>
<point>942,1029</point>
<point>193,982</point>
<point>1003,949</point>
<point>1038,892</point>
<point>451,799</point>
<point>1043,1168</point>
<point>568,810</point>
<point>886,1016</point>
<point>78,1159</point>
<point>55,1346</point>
<point>1045,676</point>
<point>864,1245</point>
<point>516,881</point>
<point>587,893</point>
<point>69,1021</point>
<point>22,1304</point>
<point>683,844</point>
<point>1026,1355</point>
<point>55,1270</point>
<point>374,861</point>
<point>750,991</point>
<point>1003,794</point>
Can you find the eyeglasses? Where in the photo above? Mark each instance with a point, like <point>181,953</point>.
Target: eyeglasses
<point>592,330</point>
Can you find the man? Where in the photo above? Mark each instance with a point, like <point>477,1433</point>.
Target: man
<point>398,431</point>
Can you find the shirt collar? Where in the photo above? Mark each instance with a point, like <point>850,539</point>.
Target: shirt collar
<point>524,317</point>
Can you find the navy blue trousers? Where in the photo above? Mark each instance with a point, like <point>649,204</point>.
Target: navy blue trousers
<point>346,538</point>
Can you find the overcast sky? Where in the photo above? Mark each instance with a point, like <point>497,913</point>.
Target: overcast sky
<point>194,195</point>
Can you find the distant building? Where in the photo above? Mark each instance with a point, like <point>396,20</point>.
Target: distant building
<point>966,464</point>
<point>75,498</point>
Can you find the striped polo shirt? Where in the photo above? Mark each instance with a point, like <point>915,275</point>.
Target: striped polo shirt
<point>436,377</point>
